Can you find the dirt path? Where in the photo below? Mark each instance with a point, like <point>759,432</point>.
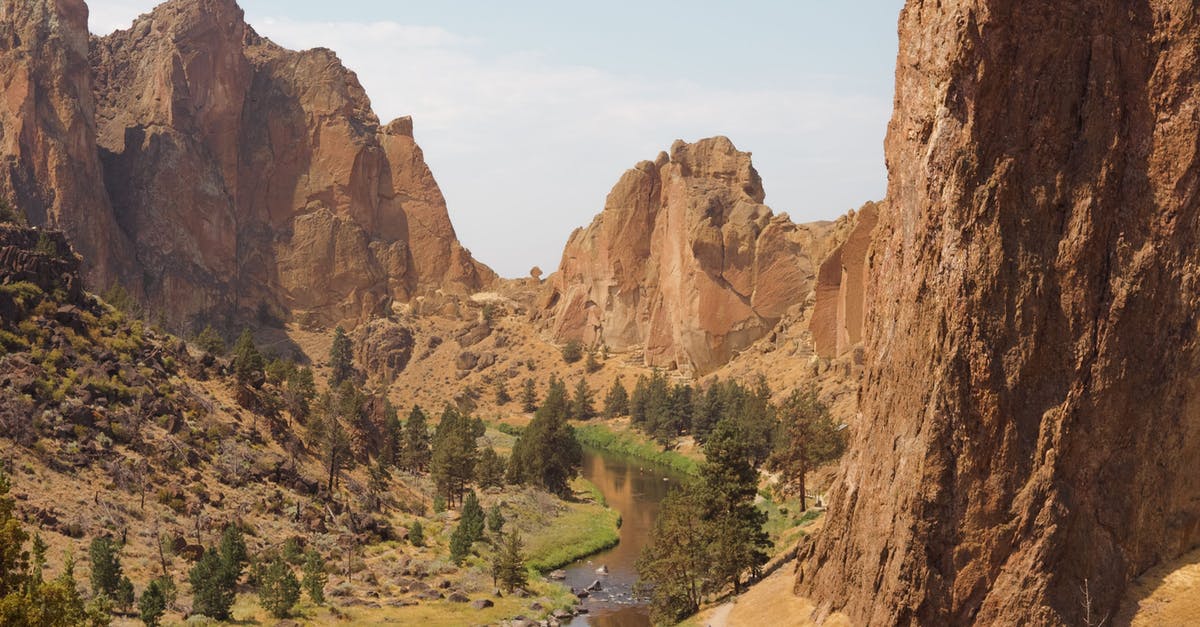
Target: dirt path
<point>720,616</point>
<point>1166,595</point>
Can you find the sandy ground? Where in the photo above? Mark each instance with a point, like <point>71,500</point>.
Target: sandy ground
<point>769,602</point>
<point>1167,595</point>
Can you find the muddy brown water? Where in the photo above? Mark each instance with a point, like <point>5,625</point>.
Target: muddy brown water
<point>634,488</point>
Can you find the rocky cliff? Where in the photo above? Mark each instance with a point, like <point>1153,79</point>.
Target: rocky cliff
<point>49,165</point>
<point>840,307</point>
<point>216,173</point>
<point>685,262</point>
<point>1029,405</point>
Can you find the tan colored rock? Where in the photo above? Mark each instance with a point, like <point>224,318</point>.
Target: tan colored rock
<point>840,307</point>
<point>685,262</point>
<point>49,166</point>
<point>1029,420</point>
<point>251,175</point>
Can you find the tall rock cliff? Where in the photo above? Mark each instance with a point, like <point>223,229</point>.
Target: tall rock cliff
<point>215,173</point>
<point>49,168</point>
<point>1031,418</point>
<point>685,262</point>
<point>293,193</point>
<point>840,307</point>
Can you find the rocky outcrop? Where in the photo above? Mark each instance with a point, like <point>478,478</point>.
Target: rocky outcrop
<point>293,195</point>
<point>383,348</point>
<point>1030,414</point>
<point>840,307</point>
<point>214,173</point>
<point>685,262</point>
<point>49,168</point>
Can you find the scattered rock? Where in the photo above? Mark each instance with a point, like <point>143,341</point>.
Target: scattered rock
<point>481,604</point>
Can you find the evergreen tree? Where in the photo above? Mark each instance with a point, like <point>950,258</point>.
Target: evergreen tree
<point>335,449</point>
<point>495,519</point>
<point>247,361</point>
<point>490,469</point>
<point>299,391</point>
<point>415,453</point>
<point>210,341</point>
<point>502,395</point>
<point>153,603</point>
<point>454,454</point>
<point>14,560</point>
<point>212,595</point>
<point>582,407</point>
<point>811,438</point>
<point>547,453</point>
<point>508,565</point>
<point>341,366</point>
<point>106,566</point>
<point>529,399</point>
<point>124,597</point>
<point>673,566</point>
<point>278,590</point>
<point>314,577</point>
<point>469,530</point>
<point>416,534</point>
<point>590,364</point>
<point>639,400</point>
<point>729,483</point>
<point>572,351</point>
<point>707,409</point>
<point>617,401</point>
<point>393,436</point>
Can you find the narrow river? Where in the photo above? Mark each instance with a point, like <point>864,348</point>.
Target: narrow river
<point>634,488</point>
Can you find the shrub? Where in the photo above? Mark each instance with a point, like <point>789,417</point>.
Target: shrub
<point>572,351</point>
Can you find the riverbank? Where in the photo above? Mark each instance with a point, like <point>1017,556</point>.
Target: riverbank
<point>586,527</point>
<point>631,443</point>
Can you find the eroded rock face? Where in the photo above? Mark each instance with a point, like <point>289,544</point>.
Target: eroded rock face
<point>685,261</point>
<point>1030,414</point>
<point>840,307</point>
<point>383,348</point>
<point>49,169</point>
<point>250,174</point>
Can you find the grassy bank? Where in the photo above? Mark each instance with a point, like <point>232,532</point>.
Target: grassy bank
<point>634,445</point>
<point>585,528</point>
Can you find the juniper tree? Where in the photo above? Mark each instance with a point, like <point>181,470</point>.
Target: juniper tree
<point>153,603</point>
<point>508,565</point>
<point>314,577</point>
<point>247,361</point>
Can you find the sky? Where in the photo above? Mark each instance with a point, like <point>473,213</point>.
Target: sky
<point>529,111</point>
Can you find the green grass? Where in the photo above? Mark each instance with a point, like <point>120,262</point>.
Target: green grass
<point>634,445</point>
<point>583,529</point>
<point>785,523</point>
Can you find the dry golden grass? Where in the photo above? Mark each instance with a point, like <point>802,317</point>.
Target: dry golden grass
<point>1166,595</point>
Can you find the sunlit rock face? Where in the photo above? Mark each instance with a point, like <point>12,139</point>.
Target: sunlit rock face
<point>685,262</point>
<point>1030,418</point>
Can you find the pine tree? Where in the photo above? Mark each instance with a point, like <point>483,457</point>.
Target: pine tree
<point>529,399</point>
<point>278,590</point>
<point>212,595</point>
<point>416,534</point>
<point>495,519</point>
<point>502,395</point>
<point>490,469</point>
<point>729,483</point>
<point>153,603</point>
<point>210,341</point>
<point>106,566</point>
<point>415,453</point>
<point>124,597</point>
<point>591,365</point>
<point>341,366</point>
<point>247,361</point>
<point>572,351</point>
<point>639,400</point>
<point>547,453</point>
<point>393,435</point>
<point>508,565</point>
<point>582,407</point>
<point>452,463</point>
<point>469,530</point>
<point>335,449</point>
<point>811,438</point>
<point>617,401</point>
<point>314,577</point>
<point>299,391</point>
<point>673,565</point>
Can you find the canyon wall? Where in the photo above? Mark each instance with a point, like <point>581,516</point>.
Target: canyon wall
<point>839,310</point>
<point>1030,413</point>
<point>216,174</point>
<point>685,262</point>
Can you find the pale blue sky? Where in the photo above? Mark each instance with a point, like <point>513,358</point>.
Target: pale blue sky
<point>529,111</point>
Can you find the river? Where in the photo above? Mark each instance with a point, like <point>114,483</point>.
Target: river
<point>634,488</point>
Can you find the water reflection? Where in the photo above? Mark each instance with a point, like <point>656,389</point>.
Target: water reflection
<point>635,489</point>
